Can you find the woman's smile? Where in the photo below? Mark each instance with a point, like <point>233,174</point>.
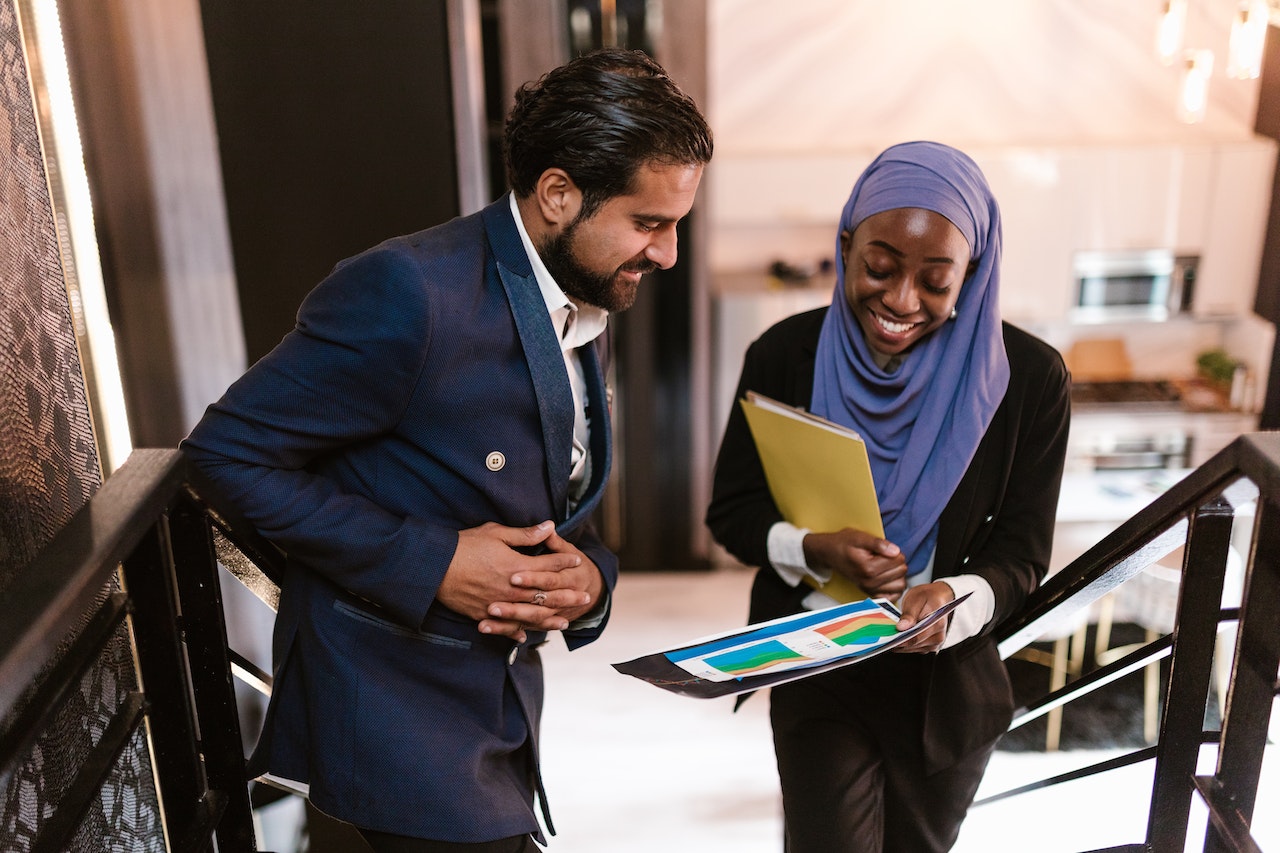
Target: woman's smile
<point>893,327</point>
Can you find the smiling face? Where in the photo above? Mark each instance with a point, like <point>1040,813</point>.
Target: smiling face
<point>903,272</point>
<point>601,259</point>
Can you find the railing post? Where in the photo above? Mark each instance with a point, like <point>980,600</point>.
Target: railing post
<point>205,635</point>
<point>1253,681</point>
<point>1190,670</point>
<point>174,751</point>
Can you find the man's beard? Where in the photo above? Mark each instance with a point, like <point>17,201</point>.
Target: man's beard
<point>605,291</point>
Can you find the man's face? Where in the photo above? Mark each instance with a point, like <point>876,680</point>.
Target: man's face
<point>600,260</point>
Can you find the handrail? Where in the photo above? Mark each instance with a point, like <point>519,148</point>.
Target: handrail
<point>77,565</point>
<point>152,523</point>
<point>257,563</point>
<point>1155,531</point>
<point>154,503</point>
<point>1197,512</point>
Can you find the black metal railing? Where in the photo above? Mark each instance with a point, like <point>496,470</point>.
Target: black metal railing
<point>144,550</point>
<point>1197,514</point>
<point>152,521</point>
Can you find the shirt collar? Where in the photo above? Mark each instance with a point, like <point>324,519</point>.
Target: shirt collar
<point>575,324</point>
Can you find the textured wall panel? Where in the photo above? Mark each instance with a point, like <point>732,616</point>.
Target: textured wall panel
<point>48,469</point>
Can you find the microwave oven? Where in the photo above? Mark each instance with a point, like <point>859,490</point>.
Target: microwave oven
<point>1124,286</point>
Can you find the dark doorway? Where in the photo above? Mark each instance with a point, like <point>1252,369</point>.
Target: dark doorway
<point>649,521</point>
<point>336,131</point>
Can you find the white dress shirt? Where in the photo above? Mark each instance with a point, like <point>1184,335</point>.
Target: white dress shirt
<point>575,326</point>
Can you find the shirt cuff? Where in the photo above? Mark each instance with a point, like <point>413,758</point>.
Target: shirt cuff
<point>593,617</point>
<point>969,618</point>
<point>786,554</point>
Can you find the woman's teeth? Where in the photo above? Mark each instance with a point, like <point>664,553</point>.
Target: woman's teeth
<point>894,328</point>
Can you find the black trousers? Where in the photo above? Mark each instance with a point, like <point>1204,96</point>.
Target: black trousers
<point>849,746</point>
<point>384,842</point>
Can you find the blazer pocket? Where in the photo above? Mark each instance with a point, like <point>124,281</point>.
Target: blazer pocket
<point>353,612</point>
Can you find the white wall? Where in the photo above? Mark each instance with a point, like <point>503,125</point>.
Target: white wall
<point>803,94</point>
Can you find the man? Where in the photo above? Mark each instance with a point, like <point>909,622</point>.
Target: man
<point>427,446</point>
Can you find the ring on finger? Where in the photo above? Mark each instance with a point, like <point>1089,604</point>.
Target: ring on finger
<point>539,598</point>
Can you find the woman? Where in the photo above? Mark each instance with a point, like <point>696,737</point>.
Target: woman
<point>965,420</point>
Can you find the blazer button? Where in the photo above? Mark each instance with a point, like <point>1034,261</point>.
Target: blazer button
<point>988,519</point>
<point>965,561</point>
<point>495,460</point>
<point>511,658</point>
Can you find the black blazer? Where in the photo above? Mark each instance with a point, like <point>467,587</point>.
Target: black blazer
<point>998,524</point>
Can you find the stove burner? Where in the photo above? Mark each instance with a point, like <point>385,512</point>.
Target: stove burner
<point>1124,392</point>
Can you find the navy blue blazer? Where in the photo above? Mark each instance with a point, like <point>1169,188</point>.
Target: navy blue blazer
<point>422,392</point>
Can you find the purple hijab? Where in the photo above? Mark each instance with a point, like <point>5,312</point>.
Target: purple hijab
<point>921,423</point>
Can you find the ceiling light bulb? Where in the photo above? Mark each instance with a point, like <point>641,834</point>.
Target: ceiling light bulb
<point>1248,39</point>
<point>1170,29</point>
<point>1193,98</point>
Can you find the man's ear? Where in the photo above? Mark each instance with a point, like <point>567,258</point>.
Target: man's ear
<point>558,197</point>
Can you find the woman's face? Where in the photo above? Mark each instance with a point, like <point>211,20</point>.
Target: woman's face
<point>903,272</point>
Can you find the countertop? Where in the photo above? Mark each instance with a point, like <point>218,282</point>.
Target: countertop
<point>1116,496</point>
<point>1112,496</point>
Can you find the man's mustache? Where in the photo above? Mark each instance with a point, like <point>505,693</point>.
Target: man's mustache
<point>642,267</point>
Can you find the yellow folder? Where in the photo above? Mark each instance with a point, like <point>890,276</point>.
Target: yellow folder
<point>818,475</point>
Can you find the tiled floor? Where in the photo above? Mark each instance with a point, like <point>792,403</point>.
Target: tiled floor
<point>633,768</point>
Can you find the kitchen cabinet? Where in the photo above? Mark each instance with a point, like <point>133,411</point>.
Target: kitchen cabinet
<point>1235,221</point>
<point>1123,436</point>
<point>1123,198</point>
<point>1057,202</point>
<point>1094,502</point>
<point>1212,431</point>
<point>1035,281</point>
<point>1206,200</point>
<point>1183,439</point>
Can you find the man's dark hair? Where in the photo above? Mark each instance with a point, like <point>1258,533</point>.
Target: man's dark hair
<point>601,117</point>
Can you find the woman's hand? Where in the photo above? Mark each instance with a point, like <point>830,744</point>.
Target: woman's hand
<point>918,603</point>
<point>876,565</point>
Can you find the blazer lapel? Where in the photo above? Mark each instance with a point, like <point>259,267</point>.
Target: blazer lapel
<point>541,347</point>
<point>601,436</point>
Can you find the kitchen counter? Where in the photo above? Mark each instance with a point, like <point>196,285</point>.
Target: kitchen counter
<point>1112,497</point>
<point>1093,504</point>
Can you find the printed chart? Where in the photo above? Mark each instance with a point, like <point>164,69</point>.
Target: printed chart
<point>777,651</point>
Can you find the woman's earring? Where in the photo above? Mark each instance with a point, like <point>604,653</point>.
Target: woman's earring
<point>953,312</point>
